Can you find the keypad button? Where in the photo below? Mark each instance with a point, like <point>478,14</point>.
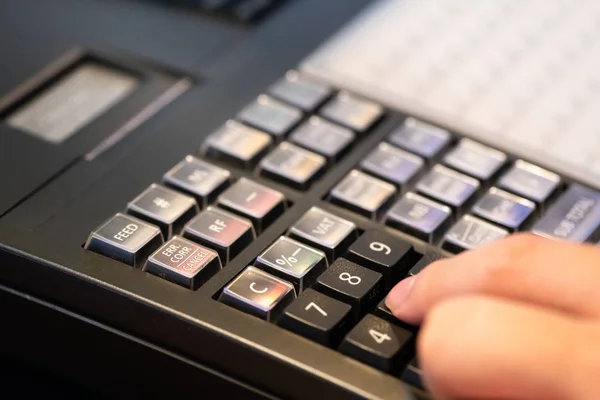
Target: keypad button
<point>198,178</point>
<point>352,111</point>
<point>237,144</point>
<point>125,239</point>
<point>475,159</point>
<point>383,312</point>
<point>222,231</point>
<point>164,207</point>
<point>413,374</point>
<point>293,261</point>
<point>449,187</point>
<point>575,216</point>
<point>530,181</point>
<point>324,231</point>
<point>258,203</point>
<point>270,115</point>
<point>349,282</point>
<point>299,91</point>
<point>293,166</point>
<point>420,138</point>
<point>471,232</point>
<point>393,165</point>
<point>419,217</point>
<point>363,194</point>
<point>427,259</point>
<point>183,262</point>
<point>378,343</point>
<point>258,293</point>
<point>317,317</point>
<point>504,209</point>
<point>323,137</point>
<point>383,253</point>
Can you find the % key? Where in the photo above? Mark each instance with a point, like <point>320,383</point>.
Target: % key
<point>293,261</point>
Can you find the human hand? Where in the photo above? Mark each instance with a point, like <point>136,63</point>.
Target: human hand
<point>514,319</point>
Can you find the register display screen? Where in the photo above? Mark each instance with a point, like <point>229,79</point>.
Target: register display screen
<point>62,109</point>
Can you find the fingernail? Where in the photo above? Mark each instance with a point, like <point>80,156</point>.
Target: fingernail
<point>398,295</point>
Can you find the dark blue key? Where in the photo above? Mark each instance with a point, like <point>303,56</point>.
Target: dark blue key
<point>448,186</point>
<point>392,164</point>
<point>504,209</point>
<point>420,138</point>
<point>575,216</point>
<point>419,217</point>
<point>475,159</point>
<point>530,181</point>
<point>471,232</point>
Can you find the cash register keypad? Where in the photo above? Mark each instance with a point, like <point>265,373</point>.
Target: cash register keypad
<point>414,195</point>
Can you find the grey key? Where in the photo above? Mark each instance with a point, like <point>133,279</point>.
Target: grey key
<point>125,239</point>
<point>325,231</point>
<point>419,217</point>
<point>448,186</point>
<point>530,181</point>
<point>352,111</point>
<point>471,232</point>
<point>258,293</point>
<point>575,216</point>
<point>299,91</point>
<point>237,144</point>
<point>270,115</point>
<point>293,261</point>
<point>198,178</point>
<point>392,164</point>
<point>293,166</point>
<point>504,209</point>
<point>258,203</point>
<point>363,194</point>
<point>184,263</point>
<point>323,137</point>
<point>164,207</point>
<point>224,232</point>
<point>475,159</point>
<point>420,138</point>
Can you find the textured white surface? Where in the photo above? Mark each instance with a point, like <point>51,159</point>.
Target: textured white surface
<point>522,75</point>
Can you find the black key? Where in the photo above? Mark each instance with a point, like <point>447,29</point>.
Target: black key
<point>198,178</point>
<point>293,261</point>
<point>428,258</point>
<point>504,209</point>
<point>385,254</point>
<point>270,115</point>
<point>471,232</point>
<point>183,262</point>
<point>222,231</point>
<point>449,187</point>
<point>324,231</point>
<point>258,203</point>
<point>530,181</point>
<point>413,374</point>
<point>317,317</point>
<point>378,343</point>
<point>382,311</point>
<point>293,166</point>
<point>237,144</point>
<point>299,91</point>
<point>323,137</point>
<point>420,138</point>
<point>165,208</point>
<point>349,282</point>
<point>393,165</point>
<point>258,293</point>
<point>363,194</point>
<point>420,217</point>
<point>475,159</point>
<point>125,239</point>
<point>352,111</point>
